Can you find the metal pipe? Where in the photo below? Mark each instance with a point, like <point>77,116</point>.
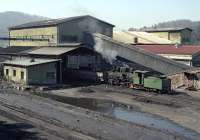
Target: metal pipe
<point>31,39</point>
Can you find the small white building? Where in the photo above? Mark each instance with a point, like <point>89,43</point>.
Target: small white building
<point>29,71</point>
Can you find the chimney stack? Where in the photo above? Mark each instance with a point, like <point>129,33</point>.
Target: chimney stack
<point>135,40</point>
<point>32,60</point>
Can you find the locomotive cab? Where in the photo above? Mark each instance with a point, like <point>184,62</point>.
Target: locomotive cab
<point>138,78</point>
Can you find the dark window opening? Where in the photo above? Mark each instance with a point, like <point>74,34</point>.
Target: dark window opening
<point>140,78</point>
<point>50,75</point>
<point>7,71</point>
<point>22,75</point>
<point>185,40</point>
<point>68,38</point>
<point>14,73</point>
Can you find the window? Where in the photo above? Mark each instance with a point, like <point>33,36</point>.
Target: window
<point>22,75</point>
<point>50,75</point>
<point>108,31</point>
<point>68,38</point>
<point>14,73</point>
<point>7,71</point>
<point>73,62</point>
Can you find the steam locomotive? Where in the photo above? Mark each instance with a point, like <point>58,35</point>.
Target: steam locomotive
<point>137,79</point>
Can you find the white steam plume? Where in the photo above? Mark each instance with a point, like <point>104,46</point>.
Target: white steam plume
<point>108,54</point>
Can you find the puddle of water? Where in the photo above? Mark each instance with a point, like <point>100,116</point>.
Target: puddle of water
<point>153,121</point>
<point>127,113</point>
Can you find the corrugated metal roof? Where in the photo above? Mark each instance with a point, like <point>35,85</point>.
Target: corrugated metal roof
<point>53,22</point>
<point>28,61</point>
<point>51,50</point>
<point>143,37</point>
<point>168,29</point>
<point>15,50</point>
<point>171,49</point>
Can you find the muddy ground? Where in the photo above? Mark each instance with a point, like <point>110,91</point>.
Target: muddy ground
<point>42,115</point>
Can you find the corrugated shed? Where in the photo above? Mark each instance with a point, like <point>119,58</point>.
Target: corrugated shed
<point>168,29</point>
<point>54,22</point>
<point>142,37</point>
<point>15,50</point>
<point>171,49</point>
<point>51,50</point>
<point>29,62</point>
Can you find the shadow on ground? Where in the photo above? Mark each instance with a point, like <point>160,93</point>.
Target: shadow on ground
<point>17,131</point>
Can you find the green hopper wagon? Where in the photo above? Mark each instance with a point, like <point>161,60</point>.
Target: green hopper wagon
<point>161,84</point>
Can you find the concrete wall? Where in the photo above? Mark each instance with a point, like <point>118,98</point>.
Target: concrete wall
<point>161,34</point>
<point>175,37</point>
<point>38,74</point>
<point>78,28</point>
<point>35,33</point>
<point>32,75</point>
<point>17,78</point>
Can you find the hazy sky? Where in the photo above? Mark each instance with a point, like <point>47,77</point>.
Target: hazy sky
<point>122,13</point>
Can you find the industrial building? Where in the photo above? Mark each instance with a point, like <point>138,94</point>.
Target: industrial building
<point>176,35</point>
<point>140,56</point>
<point>58,32</point>
<point>180,74</point>
<point>139,37</point>
<point>31,71</point>
<point>85,49</point>
<point>185,54</point>
<point>73,61</point>
<point>60,39</point>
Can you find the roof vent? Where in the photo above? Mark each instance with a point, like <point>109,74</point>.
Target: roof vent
<point>177,45</point>
<point>32,60</point>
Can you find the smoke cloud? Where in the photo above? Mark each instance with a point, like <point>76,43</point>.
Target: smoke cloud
<point>90,25</point>
<point>108,54</point>
<point>79,9</point>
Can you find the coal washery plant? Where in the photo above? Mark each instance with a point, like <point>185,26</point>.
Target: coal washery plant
<point>179,74</point>
<point>73,78</point>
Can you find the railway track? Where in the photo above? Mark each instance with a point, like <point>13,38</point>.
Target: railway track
<point>90,127</point>
<point>51,126</point>
<point>177,101</point>
<point>168,100</point>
